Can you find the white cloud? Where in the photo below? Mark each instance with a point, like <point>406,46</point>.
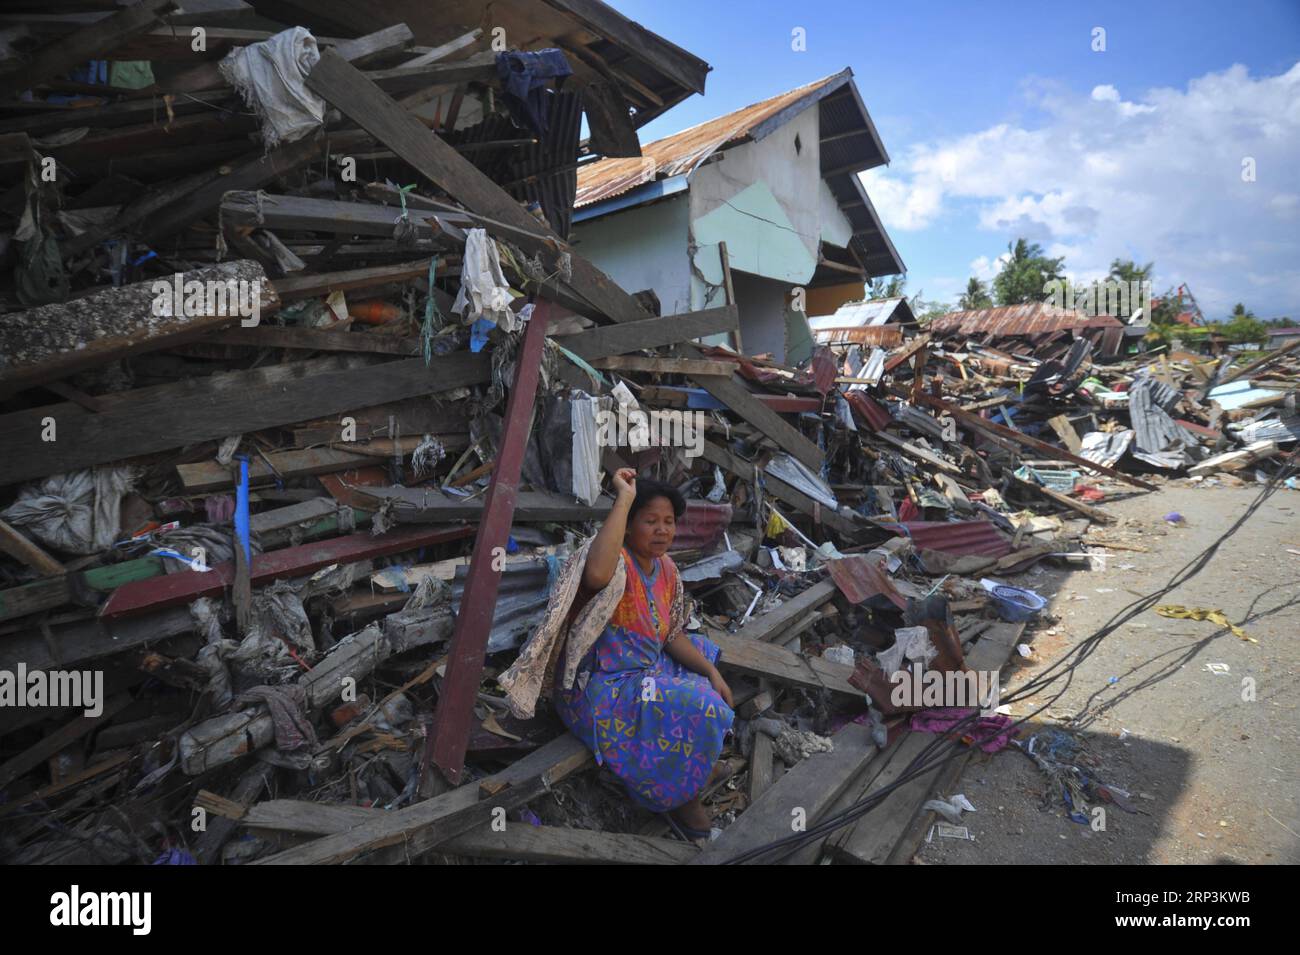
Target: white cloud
<point>1158,179</point>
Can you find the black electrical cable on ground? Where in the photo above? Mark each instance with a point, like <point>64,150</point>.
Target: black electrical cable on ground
<point>943,749</point>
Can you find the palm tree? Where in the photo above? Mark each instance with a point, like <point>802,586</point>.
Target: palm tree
<point>976,296</point>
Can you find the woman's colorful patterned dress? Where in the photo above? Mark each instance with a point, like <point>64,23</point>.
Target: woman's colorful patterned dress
<point>657,725</point>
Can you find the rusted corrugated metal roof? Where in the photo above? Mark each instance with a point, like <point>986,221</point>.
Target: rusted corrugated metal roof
<point>859,580</point>
<point>701,527</point>
<point>682,152</point>
<point>871,412</point>
<point>1034,318</point>
<point>959,537</point>
<point>883,336</point>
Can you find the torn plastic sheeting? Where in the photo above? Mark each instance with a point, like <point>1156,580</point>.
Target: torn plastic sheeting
<point>271,78</point>
<point>958,537</point>
<point>586,449</point>
<point>523,593</point>
<point>484,292</point>
<point>701,527</point>
<point>859,579</point>
<point>797,474</point>
<point>77,512</point>
<point>712,568</point>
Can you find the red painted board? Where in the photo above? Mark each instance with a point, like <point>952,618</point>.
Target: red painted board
<point>158,592</point>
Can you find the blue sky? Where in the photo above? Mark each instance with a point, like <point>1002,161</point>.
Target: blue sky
<point>1002,121</point>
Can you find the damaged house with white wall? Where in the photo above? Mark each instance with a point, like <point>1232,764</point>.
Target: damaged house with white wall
<point>777,185</point>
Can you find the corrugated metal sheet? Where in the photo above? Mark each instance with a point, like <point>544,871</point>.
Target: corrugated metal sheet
<point>521,600</point>
<point>913,418</point>
<point>1271,429</point>
<point>859,580</point>
<point>882,336</point>
<point>683,152</point>
<point>959,537</point>
<point>871,412</point>
<point>796,473</point>
<point>1035,318</point>
<point>542,172</point>
<point>1158,439</point>
<point>711,568</point>
<point>701,527</point>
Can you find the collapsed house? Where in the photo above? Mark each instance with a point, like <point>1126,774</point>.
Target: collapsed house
<point>302,390</point>
<point>769,194</point>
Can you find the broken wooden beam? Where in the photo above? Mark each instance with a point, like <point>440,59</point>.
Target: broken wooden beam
<point>23,550</point>
<point>801,795</point>
<point>730,391</point>
<point>358,98</point>
<point>482,584</point>
<point>780,665</point>
<point>207,409</point>
<point>429,824</point>
<point>88,43</point>
<point>50,342</point>
<point>983,424</point>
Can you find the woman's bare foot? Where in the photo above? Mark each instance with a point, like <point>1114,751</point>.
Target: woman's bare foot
<point>693,815</point>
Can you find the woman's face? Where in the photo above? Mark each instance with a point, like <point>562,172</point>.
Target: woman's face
<point>651,530</point>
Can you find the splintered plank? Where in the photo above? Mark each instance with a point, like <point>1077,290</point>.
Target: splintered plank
<point>518,841</point>
<point>801,795</point>
<point>596,343</point>
<point>189,585</point>
<point>772,625</point>
<point>21,549</point>
<point>53,341</point>
<point>203,477</point>
<point>210,409</point>
<point>295,287</point>
<point>429,824</point>
<point>60,739</point>
<point>358,98</point>
<point>752,658</point>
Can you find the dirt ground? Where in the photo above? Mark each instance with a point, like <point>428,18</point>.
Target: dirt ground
<point>1213,776</point>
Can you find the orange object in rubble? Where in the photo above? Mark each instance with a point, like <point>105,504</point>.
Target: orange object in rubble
<point>374,312</point>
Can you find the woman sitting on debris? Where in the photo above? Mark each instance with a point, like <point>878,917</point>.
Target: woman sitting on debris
<point>645,696</point>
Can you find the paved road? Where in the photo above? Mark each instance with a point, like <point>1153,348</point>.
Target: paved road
<point>1215,776</point>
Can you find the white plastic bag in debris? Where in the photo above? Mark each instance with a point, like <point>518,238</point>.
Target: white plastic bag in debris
<point>483,286</point>
<point>77,513</point>
<point>270,76</point>
<point>586,449</point>
<point>633,427</point>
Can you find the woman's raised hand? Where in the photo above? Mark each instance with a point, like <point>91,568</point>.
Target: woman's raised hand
<point>625,483</point>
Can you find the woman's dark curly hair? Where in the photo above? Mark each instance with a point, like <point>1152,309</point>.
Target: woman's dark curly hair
<point>647,489</point>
